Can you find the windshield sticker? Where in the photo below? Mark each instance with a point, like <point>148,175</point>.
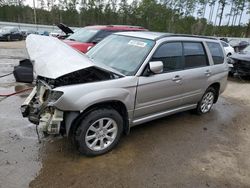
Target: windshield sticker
<point>137,43</point>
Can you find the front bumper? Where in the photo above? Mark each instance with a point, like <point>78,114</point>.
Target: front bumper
<point>47,117</point>
<point>239,67</point>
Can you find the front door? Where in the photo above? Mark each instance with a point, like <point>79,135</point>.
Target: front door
<point>161,92</point>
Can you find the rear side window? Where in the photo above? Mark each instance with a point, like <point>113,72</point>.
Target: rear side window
<point>216,52</point>
<point>194,55</point>
<point>171,56</point>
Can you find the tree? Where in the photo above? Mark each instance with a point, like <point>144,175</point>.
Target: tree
<point>41,4</point>
<point>241,6</point>
<point>211,4</point>
<point>202,9</point>
<point>223,5</point>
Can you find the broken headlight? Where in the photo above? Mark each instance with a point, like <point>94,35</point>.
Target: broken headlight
<point>54,95</point>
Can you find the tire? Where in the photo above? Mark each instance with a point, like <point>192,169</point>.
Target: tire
<point>20,38</point>
<point>206,103</point>
<point>91,139</point>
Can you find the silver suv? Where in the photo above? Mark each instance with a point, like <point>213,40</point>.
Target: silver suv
<point>125,80</point>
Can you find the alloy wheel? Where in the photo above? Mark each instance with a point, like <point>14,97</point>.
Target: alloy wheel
<point>207,102</point>
<point>101,134</point>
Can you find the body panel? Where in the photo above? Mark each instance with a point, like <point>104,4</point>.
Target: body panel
<point>80,96</point>
<point>157,93</point>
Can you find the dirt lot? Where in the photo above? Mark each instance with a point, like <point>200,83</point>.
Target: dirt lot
<point>183,150</point>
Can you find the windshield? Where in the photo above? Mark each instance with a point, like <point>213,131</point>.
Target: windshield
<point>122,53</point>
<point>83,35</point>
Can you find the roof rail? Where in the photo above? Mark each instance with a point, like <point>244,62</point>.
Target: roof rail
<point>131,26</point>
<point>185,35</point>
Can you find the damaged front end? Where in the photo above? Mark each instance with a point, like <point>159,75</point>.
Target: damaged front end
<point>239,67</point>
<point>39,109</point>
<point>57,65</point>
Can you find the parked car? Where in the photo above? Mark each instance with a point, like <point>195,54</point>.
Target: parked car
<point>238,44</point>
<point>127,79</point>
<point>229,50</point>
<point>239,63</point>
<point>10,33</point>
<point>63,33</point>
<point>27,32</point>
<point>44,33</point>
<point>83,39</point>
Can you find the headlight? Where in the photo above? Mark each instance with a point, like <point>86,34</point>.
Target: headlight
<point>54,96</point>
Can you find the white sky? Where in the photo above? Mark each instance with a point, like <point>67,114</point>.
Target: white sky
<point>244,20</point>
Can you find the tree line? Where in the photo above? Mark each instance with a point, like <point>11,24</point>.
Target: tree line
<point>201,17</point>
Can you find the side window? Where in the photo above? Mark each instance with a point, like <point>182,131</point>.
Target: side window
<point>194,55</point>
<point>171,56</point>
<point>216,52</point>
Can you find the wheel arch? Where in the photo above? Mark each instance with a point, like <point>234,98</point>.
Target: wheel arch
<point>216,86</point>
<point>119,106</point>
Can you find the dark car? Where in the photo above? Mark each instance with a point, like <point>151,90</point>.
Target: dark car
<point>239,63</point>
<point>10,33</point>
<point>25,33</point>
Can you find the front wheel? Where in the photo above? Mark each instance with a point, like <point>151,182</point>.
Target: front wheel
<point>99,132</point>
<point>206,102</point>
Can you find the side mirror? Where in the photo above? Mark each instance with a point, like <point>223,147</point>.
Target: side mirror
<point>156,67</point>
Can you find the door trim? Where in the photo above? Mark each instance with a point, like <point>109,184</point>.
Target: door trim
<point>162,114</point>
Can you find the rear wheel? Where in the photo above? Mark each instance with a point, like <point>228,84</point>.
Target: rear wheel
<point>207,101</point>
<point>99,132</point>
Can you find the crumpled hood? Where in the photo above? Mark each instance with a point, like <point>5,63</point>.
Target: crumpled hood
<point>53,58</point>
<point>241,56</point>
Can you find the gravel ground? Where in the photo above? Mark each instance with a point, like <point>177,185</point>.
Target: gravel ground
<point>182,150</point>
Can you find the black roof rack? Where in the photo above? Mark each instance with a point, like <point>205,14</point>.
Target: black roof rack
<point>184,35</point>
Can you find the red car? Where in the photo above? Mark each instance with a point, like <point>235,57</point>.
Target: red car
<point>83,39</point>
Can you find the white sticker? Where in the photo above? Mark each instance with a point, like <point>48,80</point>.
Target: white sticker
<point>137,43</point>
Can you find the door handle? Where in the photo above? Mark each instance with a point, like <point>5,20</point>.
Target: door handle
<point>177,78</point>
<point>208,73</point>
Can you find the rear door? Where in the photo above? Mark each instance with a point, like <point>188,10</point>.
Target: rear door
<point>196,72</point>
<point>219,71</point>
<point>161,92</point>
